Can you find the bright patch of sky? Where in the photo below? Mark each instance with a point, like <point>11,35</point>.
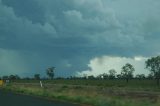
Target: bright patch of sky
<point>100,65</point>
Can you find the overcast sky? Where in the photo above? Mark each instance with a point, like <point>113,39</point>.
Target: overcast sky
<point>77,36</point>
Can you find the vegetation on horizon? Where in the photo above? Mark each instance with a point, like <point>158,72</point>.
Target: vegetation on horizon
<point>152,64</point>
<point>111,89</point>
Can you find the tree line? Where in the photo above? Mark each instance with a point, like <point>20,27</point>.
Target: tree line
<point>49,72</point>
<point>152,64</point>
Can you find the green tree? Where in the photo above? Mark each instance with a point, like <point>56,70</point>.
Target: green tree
<point>105,76</point>
<point>140,76</point>
<point>112,74</point>
<point>150,75</point>
<point>119,76</point>
<point>153,65</point>
<point>37,76</point>
<point>50,72</point>
<point>127,71</point>
<point>12,77</point>
<point>5,77</point>
<point>91,77</point>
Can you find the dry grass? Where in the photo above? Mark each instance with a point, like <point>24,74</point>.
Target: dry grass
<point>91,95</point>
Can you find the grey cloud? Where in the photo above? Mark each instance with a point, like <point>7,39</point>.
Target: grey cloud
<point>27,9</point>
<point>19,30</point>
<point>71,32</point>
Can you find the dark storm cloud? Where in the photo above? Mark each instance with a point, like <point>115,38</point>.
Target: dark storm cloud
<point>27,9</point>
<point>68,33</point>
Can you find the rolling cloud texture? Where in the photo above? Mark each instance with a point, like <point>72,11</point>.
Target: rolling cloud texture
<point>69,34</point>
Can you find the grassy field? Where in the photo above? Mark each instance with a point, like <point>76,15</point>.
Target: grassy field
<point>93,92</point>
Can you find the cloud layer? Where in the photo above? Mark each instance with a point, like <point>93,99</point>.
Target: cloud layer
<point>100,65</point>
<point>69,34</point>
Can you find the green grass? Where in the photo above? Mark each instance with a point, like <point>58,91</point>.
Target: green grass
<point>93,92</point>
<point>92,81</point>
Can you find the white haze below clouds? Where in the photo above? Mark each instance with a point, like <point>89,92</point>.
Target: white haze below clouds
<point>11,62</point>
<point>100,65</point>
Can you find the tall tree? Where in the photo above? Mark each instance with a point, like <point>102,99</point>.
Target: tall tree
<point>140,76</point>
<point>127,71</point>
<point>150,75</point>
<point>153,64</point>
<point>50,72</point>
<point>119,76</point>
<point>12,77</point>
<point>112,73</point>
<point>105,76</point>
<point>37,76</point>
